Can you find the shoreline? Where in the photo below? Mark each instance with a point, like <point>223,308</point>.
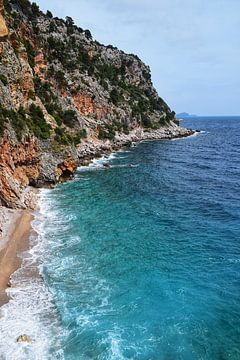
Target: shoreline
<point>16,224</point>
<point>16,242</point>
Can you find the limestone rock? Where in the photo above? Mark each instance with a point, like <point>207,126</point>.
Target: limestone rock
<point>65,99</point>
<point>24,339</point>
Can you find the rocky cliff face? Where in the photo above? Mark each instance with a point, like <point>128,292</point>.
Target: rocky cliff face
<point>65,98</point>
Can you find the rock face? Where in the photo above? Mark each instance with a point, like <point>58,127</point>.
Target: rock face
<point>65,98</point>
<point>19,167</point>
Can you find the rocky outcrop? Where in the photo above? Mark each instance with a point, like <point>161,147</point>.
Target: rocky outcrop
<point>86,106</point>
<point>19,168</point>
<point>65,99</point>
<point>66,169</point>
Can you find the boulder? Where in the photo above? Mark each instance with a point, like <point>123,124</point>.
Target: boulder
<point>24,339</point>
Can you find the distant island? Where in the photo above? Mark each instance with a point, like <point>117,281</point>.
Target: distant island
<point>185,115</point>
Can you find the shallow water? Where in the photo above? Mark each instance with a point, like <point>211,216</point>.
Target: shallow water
<point>140,260</point>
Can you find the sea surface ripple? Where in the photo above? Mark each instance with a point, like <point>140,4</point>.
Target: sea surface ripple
<point>141,260</point>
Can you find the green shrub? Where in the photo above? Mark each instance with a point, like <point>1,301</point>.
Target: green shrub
<point>31,95</point>
<point>110,72</point>
<point>30,52</point>
<point>83,57</point>
<point>60,78</point>
<point>108,133</point>
<point>35,10</point>
<point>66,138</point>
<point>16,118</point>
<point>49,14</point>
<point>7,6</point>
<point>115,97</point>
<point>52,27</point>
<point>37,124</point>
<point>24,5</point>
<point>3,118</point>
<point>146,122</point>
<point>4,80</point>
<point>125,129</point>
<point>88,34</point>
<point>70,118</point>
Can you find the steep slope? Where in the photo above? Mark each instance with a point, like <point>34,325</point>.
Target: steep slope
<point>65,98</point>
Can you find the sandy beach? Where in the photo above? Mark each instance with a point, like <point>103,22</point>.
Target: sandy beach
<point>11,246</point>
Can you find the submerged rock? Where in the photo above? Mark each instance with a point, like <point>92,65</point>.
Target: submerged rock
<point>106,165</point>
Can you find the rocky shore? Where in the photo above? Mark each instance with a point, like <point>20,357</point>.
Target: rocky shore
<point>26,166</point>
<point>65,99</point>
<point>15,224</point>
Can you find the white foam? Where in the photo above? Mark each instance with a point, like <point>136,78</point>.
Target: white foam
<point>98,163</point>
<point>31,310</point>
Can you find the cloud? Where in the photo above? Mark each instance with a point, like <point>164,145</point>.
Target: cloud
<point>189,44</point>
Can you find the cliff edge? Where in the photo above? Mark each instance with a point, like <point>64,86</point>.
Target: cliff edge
<point>64,99</point>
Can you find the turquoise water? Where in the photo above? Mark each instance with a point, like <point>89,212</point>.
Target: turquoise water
<point>143,258</point>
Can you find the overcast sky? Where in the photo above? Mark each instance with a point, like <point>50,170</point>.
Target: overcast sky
<point>192,46</point>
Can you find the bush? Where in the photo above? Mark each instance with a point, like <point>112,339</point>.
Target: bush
<point>30,52</point>
<point>35,10</point>
<point>49,14</point>
<point>7,6</point>
<point>109,133</point>
<point>31,95</point>
<point>37,124</point>
<point>115,97</point>
<point>16,119</point>
<point>67,138</point>
<point>24,5</point>
<point>146,122</point>
<point>125,130</point>
<point>70,118</point>
<point>52,27</point>
<point>83,57</point>
<point>4,80</point>
<point>88,34</point>
<point>70,25</point>
<point>60,78</point>
<point>3,118</point>
<point>108,72</point>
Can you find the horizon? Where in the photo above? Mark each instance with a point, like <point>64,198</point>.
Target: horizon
<point>206,115</point>
<point>193,70</point>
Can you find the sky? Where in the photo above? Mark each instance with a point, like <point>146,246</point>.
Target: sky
<point>191,46</point>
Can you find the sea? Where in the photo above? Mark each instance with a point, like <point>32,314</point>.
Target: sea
<point>138,257</point>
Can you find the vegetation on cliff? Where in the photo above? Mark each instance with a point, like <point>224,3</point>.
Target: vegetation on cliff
<point>64,99</point>
<point>61,78</point>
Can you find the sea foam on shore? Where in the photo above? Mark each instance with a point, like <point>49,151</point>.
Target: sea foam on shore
<point>31,310</point>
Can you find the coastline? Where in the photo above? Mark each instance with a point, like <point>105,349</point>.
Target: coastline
<point>15,224</point>
<point>17,241</point>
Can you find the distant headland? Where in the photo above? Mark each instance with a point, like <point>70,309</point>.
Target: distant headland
<point>185,115</point>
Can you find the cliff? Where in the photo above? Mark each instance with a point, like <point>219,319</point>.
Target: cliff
<point>65,98</point>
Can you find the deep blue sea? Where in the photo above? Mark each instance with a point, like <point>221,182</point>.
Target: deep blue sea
<point>140,260</point>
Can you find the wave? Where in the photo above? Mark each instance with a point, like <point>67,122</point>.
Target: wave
<point>31,308</point>
<point>105,163</point>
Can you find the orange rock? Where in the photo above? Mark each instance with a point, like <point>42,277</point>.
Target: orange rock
<point>66,169</point>
<point>18,165</point>
<point>87,106</point>
<point>40,64</point>
<point>3,27</point>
